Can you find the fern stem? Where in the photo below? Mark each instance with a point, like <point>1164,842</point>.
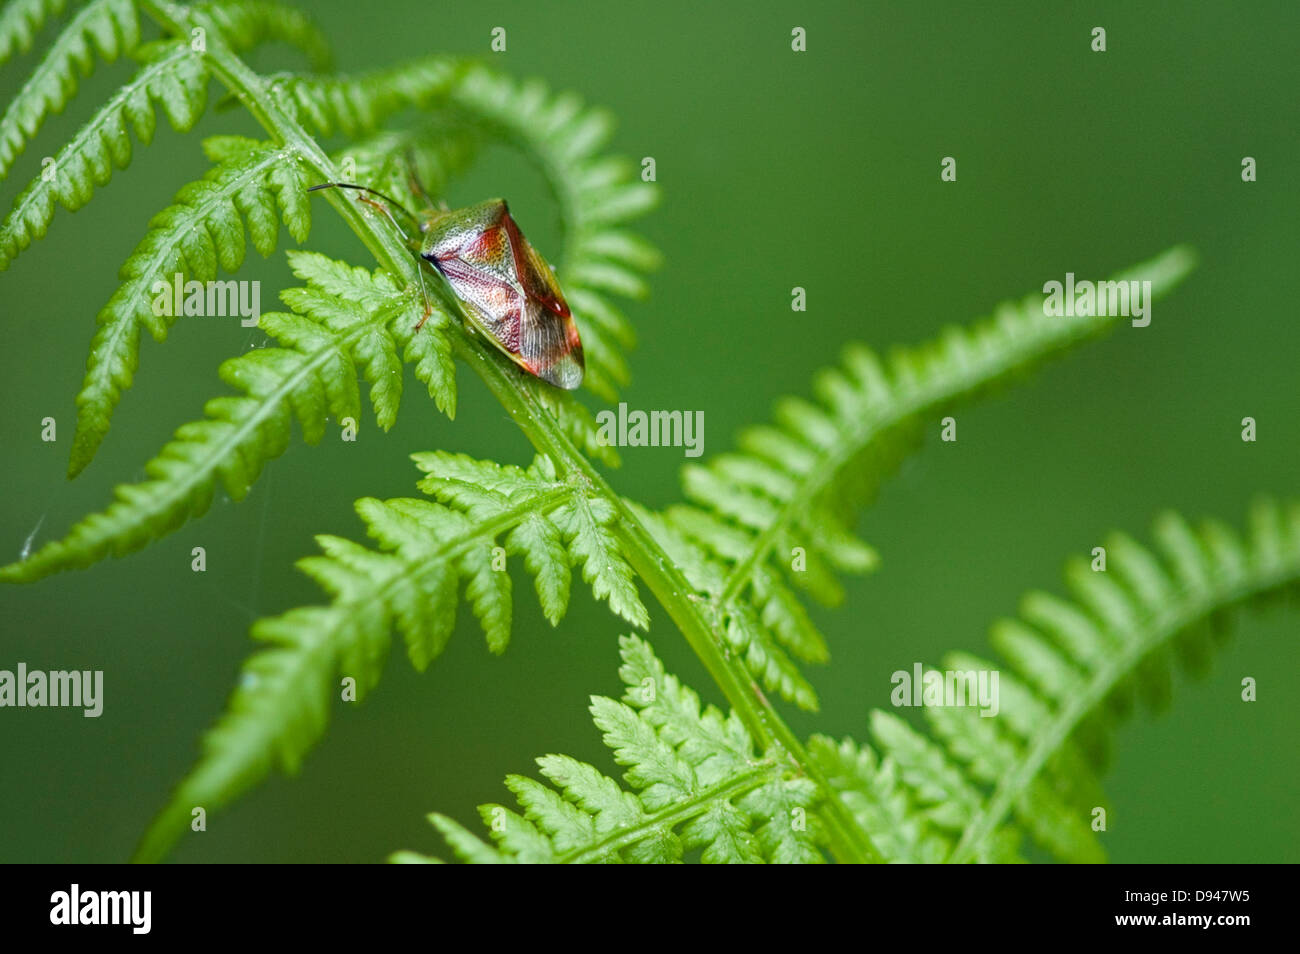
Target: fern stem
<point>848,840</point>
<point>1056,731</point>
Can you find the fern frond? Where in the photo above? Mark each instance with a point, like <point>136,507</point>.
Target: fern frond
<point>428,551</point>
<point>785,500</point>
<point>172,77</point>
<point>252,184</point>
<point>344,320</point>
<point>1077,666</point>
<point>597,195</point>
<point>697,785</point>
<point>575,530</point>
<point>101,30</point>
<point>21,20</point>
<point>357,105</point>
<point>245,23</point>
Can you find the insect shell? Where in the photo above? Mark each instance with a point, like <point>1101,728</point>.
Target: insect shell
<point>508,289</point>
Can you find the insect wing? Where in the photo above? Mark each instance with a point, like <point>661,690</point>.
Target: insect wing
<point>548,336</point>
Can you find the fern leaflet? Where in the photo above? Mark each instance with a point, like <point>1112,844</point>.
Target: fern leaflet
<point>172,76</point>
<point>102,29</point>
<point>251,183</point>
<point>428,549</point>
<point>1078,665</point>
<point>344,319</point>
<point>21,20</point>
<point>357,105</point>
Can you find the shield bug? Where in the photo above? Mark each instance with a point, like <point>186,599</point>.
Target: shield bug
<point>509,292</point>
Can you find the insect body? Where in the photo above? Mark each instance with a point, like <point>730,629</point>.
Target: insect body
<point>507,287</point>
<point>509,291</point>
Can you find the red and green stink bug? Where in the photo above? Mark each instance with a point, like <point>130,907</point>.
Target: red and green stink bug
<point>509,291</point>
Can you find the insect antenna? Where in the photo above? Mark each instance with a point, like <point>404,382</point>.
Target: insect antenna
<point>387,198</point>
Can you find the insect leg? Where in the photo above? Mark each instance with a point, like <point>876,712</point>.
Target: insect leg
<point>424,290</point>
<point>417,187</point>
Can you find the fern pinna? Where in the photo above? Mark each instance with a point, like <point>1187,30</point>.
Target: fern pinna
<point>735,787</point>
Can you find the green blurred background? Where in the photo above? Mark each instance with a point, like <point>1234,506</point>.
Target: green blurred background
<point>777,169</point>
